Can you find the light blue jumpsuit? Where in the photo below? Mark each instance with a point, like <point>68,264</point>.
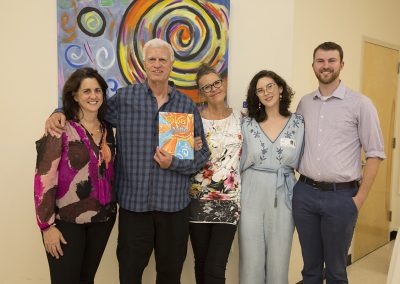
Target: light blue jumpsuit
<point>266,225</point>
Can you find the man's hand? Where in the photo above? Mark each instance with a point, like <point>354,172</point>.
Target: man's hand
<point>52,239</point>
<point>358,201</point>
<point>369,173</point>
<point>163,158</point>
<point>55,124</point>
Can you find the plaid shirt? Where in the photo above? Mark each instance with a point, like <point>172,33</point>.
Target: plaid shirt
<point>141,184</point>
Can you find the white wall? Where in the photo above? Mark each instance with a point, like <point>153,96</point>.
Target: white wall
<point>278,35</point>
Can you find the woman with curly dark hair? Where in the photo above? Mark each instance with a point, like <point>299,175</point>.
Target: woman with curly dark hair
<point>272,146</point>
<point>74,182</point>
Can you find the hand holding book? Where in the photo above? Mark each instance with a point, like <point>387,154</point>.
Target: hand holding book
<point>176,134</point>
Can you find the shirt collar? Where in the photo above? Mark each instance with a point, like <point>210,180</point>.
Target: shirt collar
<point>338,93</point>
<point>171,88</point>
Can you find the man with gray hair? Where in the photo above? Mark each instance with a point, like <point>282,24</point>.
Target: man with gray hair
<point>152,185</point>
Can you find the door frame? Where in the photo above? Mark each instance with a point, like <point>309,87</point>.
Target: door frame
<point>394,190</point>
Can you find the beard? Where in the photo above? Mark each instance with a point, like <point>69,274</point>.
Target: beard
<point>327,79</point>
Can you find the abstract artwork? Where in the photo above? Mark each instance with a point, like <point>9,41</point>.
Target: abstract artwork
<point>109,36</point>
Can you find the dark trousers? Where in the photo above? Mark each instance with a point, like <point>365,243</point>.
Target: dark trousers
<point>141,232</point>
<point>211,246</point>
<point>325,223</point>
<point>82,253</point>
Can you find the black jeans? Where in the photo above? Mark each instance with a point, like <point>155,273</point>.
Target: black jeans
<point>211,246</point>
<point>325,223</point>
<point>141,232</point>
<point>82,253</point>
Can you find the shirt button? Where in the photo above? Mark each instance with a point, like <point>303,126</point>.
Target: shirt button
<point>320,130</point>
<point>319,174</point>
<point>319,145</point>
<point>318,159</point>
<point>322,116</point>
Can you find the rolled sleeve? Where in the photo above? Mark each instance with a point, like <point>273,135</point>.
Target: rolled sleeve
<point>369,130</point>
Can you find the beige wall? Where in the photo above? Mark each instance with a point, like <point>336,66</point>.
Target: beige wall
<point>348,23</point>
<point>279,35</point>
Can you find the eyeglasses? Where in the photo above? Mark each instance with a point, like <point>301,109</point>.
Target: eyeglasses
<point>268,88</point>
<point>216,85</point>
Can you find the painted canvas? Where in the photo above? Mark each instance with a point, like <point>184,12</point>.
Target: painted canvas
<point>176,134</point>
<point>109,35</point>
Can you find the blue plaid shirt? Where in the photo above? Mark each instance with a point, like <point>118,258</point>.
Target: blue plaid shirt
<point>141,184</point>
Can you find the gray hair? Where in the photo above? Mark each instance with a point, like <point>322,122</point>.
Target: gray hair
<point>156,42</point>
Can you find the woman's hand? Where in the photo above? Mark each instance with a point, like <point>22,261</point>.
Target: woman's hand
<point>52,239</point>
<point>198,144</point>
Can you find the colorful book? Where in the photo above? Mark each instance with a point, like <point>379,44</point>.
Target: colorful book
<point>176,134</point>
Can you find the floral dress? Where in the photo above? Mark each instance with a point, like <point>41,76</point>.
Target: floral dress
<point>215,190</point>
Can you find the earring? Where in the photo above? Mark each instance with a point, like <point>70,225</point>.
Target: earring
<point>259,105</point>
<point>280,97</point>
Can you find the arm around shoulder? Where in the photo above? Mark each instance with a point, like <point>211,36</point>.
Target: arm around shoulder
<point>55,123</point>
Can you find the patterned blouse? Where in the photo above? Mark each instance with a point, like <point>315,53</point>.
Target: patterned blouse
<point>73,182</point>
<point>215,190</point>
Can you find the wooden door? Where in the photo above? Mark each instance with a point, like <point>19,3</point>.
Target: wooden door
<point>379,82</point>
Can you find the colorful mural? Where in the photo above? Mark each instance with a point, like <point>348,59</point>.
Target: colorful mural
<point>109,35</point>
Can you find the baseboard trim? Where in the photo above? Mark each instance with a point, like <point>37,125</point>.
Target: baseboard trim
<point>392,235</point>
<point>348,259</point>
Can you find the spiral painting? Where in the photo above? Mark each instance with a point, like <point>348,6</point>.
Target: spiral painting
<point>109,35</point>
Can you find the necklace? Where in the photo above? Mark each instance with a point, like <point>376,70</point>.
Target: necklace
<point>96,135</point>
<point>94,131</point>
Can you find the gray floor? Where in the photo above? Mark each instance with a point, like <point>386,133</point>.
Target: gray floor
<point>373,268</point>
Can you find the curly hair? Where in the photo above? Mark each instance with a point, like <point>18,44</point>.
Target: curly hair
<point>70,106</point>
<point>253,103</point>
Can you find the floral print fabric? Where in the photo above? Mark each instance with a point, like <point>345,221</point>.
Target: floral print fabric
<point>215,190</point>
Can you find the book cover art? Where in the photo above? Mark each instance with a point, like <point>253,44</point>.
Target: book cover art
<point>176,134</point>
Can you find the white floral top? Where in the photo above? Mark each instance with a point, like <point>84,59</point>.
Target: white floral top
<point>215,189</point>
